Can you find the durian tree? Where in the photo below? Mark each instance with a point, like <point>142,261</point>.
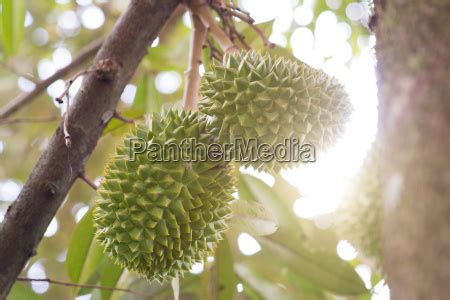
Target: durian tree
<point>417,224</point>
<point>133,226</point>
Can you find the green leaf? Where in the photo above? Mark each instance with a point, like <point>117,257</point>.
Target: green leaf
<point>226,278</point>
<point>117,127</point>
<point>281,210</point>
<point>110,276</point>
<point>12,21</point>
<point>278,51</point>
<point>159,59</point>
<point>250,292</point>
<point>140,100</point>
<point>92,263</point>
<point>253,218</point>
<point>243,189</point>
<point>20,291</point>
<point>274,280</point>
<point>323,269</point>
<point>155,98</point>
<point>261,282</point>
<point>251,36</point>
<point>84,255</point>
<point>206,52</point>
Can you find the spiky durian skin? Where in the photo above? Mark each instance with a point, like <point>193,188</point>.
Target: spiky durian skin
<point>358,219</point>
<point>159,218</point>
<point>273,99</point>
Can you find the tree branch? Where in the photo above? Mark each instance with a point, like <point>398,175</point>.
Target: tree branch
<point>26,98</point>
<point>88,181</point>
<point>13,70</point>
<point>87,286</point>
<point>202,10</point>
<point>30,120</point>
<point>28,217</point>
<point>198,37</point>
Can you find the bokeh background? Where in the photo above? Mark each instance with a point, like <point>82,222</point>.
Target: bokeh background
<point>331,35</point>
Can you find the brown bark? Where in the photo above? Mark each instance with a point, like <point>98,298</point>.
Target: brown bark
<point>413,72</point>
<point>28,217</point>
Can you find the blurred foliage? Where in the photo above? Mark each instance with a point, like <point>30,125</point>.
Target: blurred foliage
<point>298,260</point>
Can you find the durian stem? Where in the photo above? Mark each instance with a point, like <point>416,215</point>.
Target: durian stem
<point>221,37</point>
<point>202,21</point>
<point>198,37</point>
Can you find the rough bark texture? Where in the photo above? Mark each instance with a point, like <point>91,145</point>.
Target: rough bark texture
<point>413,72</point>
<point>28,217</point>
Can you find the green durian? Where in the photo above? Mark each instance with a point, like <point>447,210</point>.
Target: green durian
<point>359,216</point>
<point>158,218</point>
<point>256,96</point>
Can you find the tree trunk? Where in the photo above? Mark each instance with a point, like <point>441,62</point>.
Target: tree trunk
<point>28,217</point>
<point>413,39</point>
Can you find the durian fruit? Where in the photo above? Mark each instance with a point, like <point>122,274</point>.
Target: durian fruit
<point>358,218</point>
<point>158,218</point>
<point>258,97</point>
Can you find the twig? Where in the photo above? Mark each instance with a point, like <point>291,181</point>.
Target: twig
<point>232,10</point>
<point>69,83</point>
<point>67,138</point>
<point>66,95</point>
<point>234,6</point>
<point>29,120</point>
<point>120,117</point>
<point>16,72</point>
<point>88,181</point>
<point>261,34</point>
<point>87,286</point>
<point>198,37</point>
<point>215,53</point>
<point>229,23</point>
<point>218,33</point>
<point>25,98</point>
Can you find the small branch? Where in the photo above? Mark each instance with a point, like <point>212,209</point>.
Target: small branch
<point>232,5</point>
<point>67,138</point>
<point>261,34</point>
<point>215,53</point>
<point>87,286</point>
<point>230,11</point>
<point>228,22</point>
<point>88,181</point>
<point>118,116</point>
<point>60,100</point>
<point>233,11</point>
<point>202,10</point>
<point>69,83</point>
<point>12,69</point>
<point>25,98</point>
<point>198,37</point>
<point>29,120</point>
<point>239,14</point>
